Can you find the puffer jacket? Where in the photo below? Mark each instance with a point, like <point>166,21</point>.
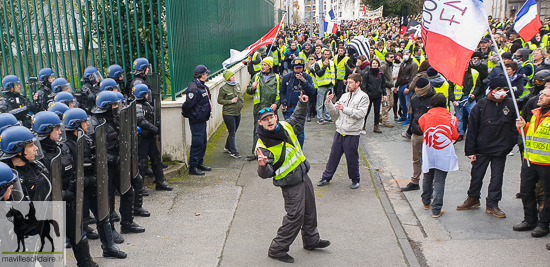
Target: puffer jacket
<point>374,84</point>
<point>351,119</point>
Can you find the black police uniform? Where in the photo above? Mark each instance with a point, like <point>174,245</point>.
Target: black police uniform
<point>197,108</point>
<point>44,94</point>
<point>138,79</point>
<point>147,145</point>
<point>19,106</point>
<point>34,180</point>
<point>87,95</point>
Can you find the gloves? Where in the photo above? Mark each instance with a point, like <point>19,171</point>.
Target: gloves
<point>113,159</point>
<point>68,195</point>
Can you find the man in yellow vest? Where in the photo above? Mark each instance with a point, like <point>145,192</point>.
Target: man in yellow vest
<point>254,63</point>
<point>325,75</point>
<point>380,51</point>
<point>342,70</point>
<point>280,157</point>
<point>440,84</point>
<point>417,56</point>
<point>264,86</point>
<point>537,152</point>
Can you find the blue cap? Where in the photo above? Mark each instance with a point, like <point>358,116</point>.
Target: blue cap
<point>201,69</point>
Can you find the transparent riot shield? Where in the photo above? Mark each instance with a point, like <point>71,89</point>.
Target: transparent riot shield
<point>79,194</point>
<point>125,144</point>
<point>154,85</point>
<point>101,171</point>
<point>135,170</point>
<point>57,186</point>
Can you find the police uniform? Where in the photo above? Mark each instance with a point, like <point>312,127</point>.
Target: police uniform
<point>88,93</point>
<point>45,95</point>
<point>20,106</point>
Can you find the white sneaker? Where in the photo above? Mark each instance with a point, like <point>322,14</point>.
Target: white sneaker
<point>226,150</point>
<point>363,132</point>
<point>511,154</point>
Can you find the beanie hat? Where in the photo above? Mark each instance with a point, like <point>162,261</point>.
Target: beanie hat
<point>227,74</point>
<point>422,82</point>
<point>497,82</point>
<point>506,55</point>
<point>477,54</point>
<point>431,72</point>
<point>268,61</point>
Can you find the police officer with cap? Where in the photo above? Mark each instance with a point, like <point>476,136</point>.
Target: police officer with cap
<point>45,76</point>
<point>197,108</point>
<point>13,102</point>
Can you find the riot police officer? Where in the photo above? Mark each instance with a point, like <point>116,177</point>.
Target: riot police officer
<point>13,102</point>
<point>147,147</point>
<point>142,68</point>
<point>45,76</point>
<point>59,109</point>
<point>7,120</point>
<point>76,122</point>
<point>65,98</point>
<point>109,85</point>
<point>105,110</point>
<point>22,152</point>
<point>10,187</point>
<point>90,88</point>
<point>116,73</point>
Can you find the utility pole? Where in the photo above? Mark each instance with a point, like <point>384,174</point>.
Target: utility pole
<point>321,20</point>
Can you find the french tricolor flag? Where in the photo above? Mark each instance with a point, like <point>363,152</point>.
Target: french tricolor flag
<point>330,25</point>
<point>451,31</point>
<point>527,22</point>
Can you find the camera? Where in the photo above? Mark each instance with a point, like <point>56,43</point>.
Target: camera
<point>297,88</point>
<point>33,79</point>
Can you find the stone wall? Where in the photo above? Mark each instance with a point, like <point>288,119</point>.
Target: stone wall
<point>176,135</point>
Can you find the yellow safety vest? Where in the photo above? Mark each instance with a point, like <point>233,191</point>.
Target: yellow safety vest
<point>256,95</point>
<point>293,152</point>
<point>328,77</point>
<point>341,68</point>
<point>313,77</point>
<point>257,67</point>
<point>444,89</point>
<point>537,141</point>
<point>422,59</point>
<point>409,44</point>
<point>458,89</point>
<point>381,55</point>
<point>275,58</point>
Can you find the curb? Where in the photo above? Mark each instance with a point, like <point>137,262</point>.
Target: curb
<point>172,172</point>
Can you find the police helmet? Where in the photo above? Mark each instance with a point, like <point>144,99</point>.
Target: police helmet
<point>73,118</point>
<point>7,120</point>
<point>140,91</point>
<point>44,122</point>
<point>104,100</point>
<point>60,84</point>
<point>91,74</point>
<point>59,109</point>
<point>64,97</point>
<point>44,74</point>
<point>8,82</point>
<point>298,62</point>
<point>14,140</point>
<point>120,96</point>
<point>140,65</point>
<point>115,71</point>
<point>10,178</point>
<point>108,85</point>
<point>539,77</point>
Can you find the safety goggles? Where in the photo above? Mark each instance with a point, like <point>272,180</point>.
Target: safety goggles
<point>264,110</point>
<point>539,82</point>
<point>299,62</point>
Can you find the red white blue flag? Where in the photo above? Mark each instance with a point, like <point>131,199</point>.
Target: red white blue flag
<point>451,31</point>
<point>527,23</point>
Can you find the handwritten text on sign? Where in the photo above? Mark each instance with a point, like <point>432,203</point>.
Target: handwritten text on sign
<point>451,11</point>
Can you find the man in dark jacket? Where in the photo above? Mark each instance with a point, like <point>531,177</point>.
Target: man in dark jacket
<point>197,108</point>
<point>420,105</point>
<point>407,71</point>
<point>290,173</point>
<point>491,136</point>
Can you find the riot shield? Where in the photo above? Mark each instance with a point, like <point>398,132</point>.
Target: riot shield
<point>135,170</point>
<point>79,194</point>
<point>101,172</point>
<point>154,84</point>
<point>57,186</point>
<point>125,144</point>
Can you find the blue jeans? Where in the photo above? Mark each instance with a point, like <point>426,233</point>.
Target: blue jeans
<point>322,113</point>
<point>459,113</point>
<point>301,135</point>
<point>404,100</point>
<point>433,185</point>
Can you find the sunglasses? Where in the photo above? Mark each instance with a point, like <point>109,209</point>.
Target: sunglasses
<point>264,110</point>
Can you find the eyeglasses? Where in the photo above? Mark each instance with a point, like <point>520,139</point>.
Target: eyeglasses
<point>264,110</point>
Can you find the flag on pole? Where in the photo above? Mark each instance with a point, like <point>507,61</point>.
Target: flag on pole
<point>527,23</point>
<point>404,21</point>
<point>330,25</point>
<point>364,11</point>
<point>361,45</point>
<point>451,32</point>
<point>267,39</point>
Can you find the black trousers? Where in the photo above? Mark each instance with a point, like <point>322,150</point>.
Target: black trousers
<point>479,168</point>
<point>126,199</point>
<point>147,148</point>
<point>199,140</point>
<point>339,88</point>
<point>529,178</point>
<point>232,123</point>
<point>377,102</point>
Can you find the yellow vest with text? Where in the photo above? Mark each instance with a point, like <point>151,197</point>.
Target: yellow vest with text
<point>537,142</point>
<point>341,68</point>
<point>329,76</point>
<point>458,89</point>
<point>293,152</point>
<point>256,95</point>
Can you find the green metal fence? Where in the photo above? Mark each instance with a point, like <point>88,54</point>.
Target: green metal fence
<point>202,32</point>
<point>174,35</point>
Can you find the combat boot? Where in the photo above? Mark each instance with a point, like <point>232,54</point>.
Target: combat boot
<point>470,202</point>
<point>376,129</point>
<point>141,212</point>
<point>130,227</point>
<point>82,253</point>
<point>113,252</point>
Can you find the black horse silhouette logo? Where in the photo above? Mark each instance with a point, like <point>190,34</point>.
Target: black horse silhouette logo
<point>29,226</point>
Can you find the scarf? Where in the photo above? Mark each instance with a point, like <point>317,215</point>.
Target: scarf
<point>231,83</point>
<point>374,71</point>
<point>424,90</point>
<point>272,138</point>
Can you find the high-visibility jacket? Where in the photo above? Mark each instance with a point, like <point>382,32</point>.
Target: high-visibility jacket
<point>530,77</point>
<point>257,67</point>
<point>313,77</point>
<point>444,89</point>
<point>329,76</point>
<point>409,44</point>
<point>381,54</point>
<point>531,46</point>
<point>256,95</point>
<point>293,155</point>
<point>458,89</point>
<point>537,139</point>
<point>422,59</point>
<point>276,55</point>
<point>341,68</point>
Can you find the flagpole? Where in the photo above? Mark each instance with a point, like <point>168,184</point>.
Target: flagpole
<point>511,92</point>
<point>279,29</point>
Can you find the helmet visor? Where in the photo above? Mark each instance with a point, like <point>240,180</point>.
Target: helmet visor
<point>58,133</point>
<point>32,150</point>
<point>96,76</point>
<point>67,88</point>
<point>149,69</point>
<point>14,188</point>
